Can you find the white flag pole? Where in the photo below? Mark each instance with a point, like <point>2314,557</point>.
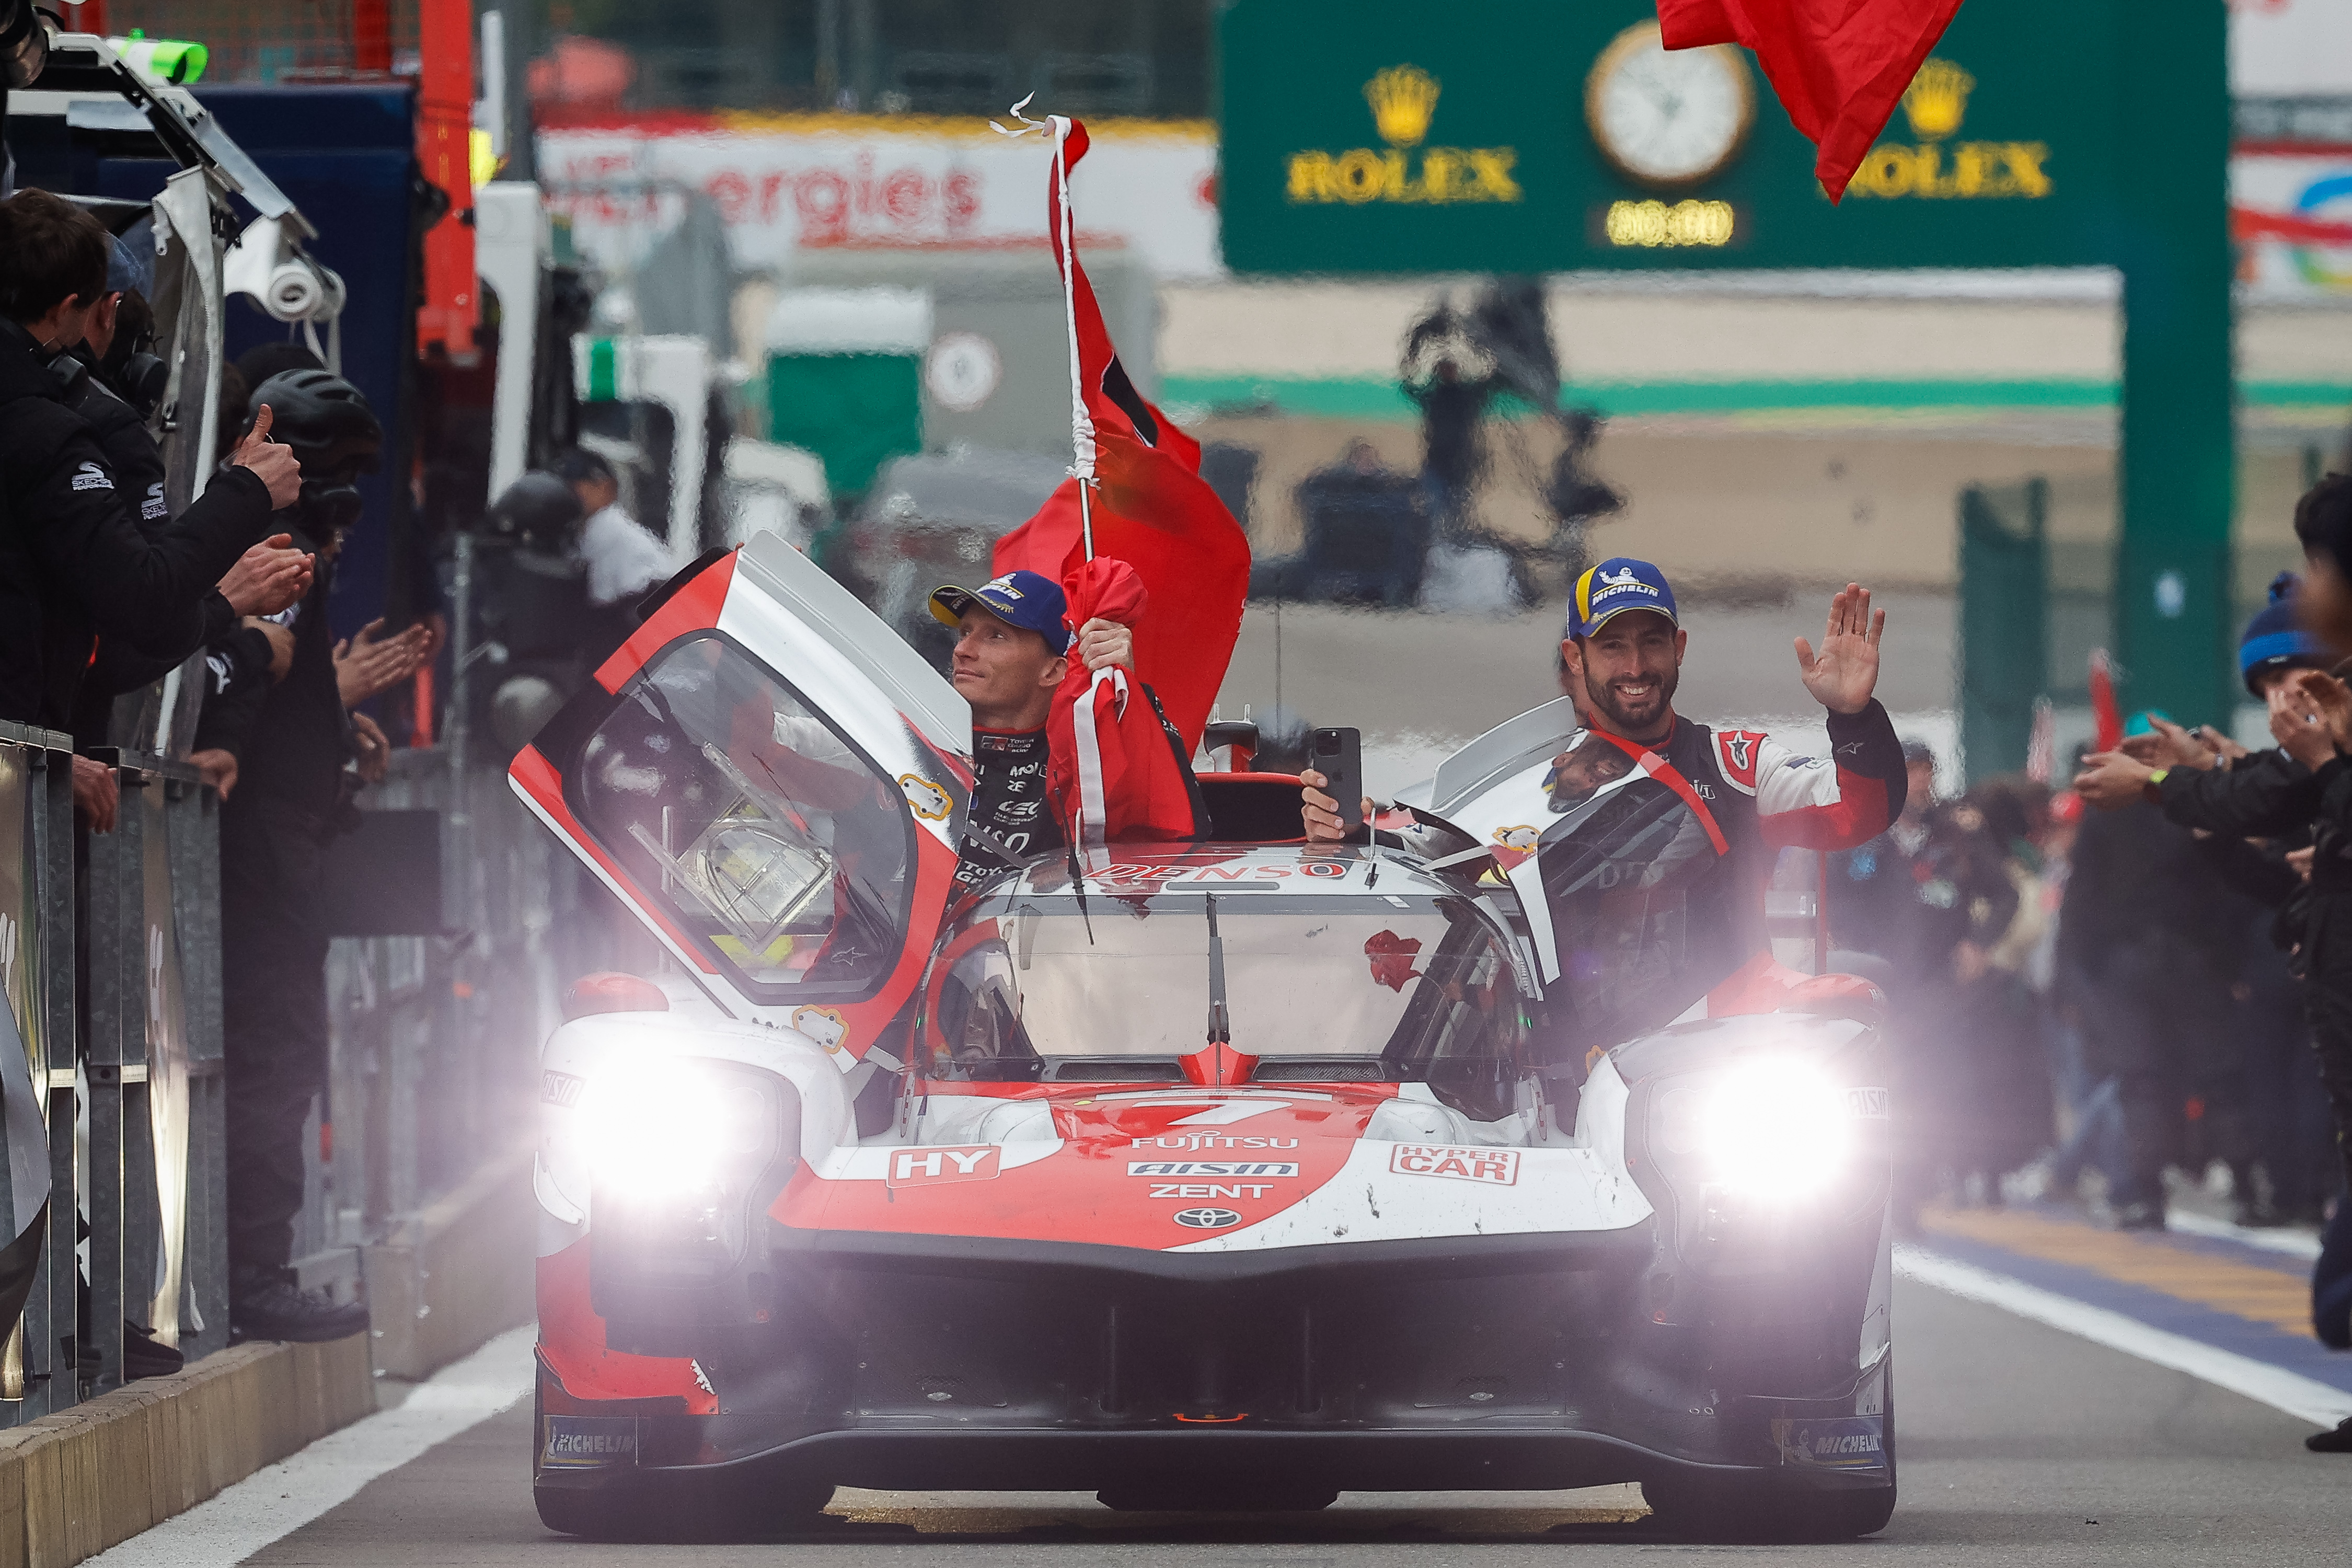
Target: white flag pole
<point>1082,424</point>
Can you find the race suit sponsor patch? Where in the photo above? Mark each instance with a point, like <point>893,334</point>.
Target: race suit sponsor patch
<point>1211,1168</point>
<point>587,1442</point>
<point>1833,1443</point>
<point>924,1167</point>
<point>1500,1166</point>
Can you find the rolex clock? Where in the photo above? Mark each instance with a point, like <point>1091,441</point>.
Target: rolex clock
<point>1668,117</point>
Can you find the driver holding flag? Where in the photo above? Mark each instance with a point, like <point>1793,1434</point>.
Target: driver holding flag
<point>1623,650</point>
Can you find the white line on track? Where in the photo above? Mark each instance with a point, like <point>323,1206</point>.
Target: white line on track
<point>276,1501</point>
<point>2275,1386</point>
<point>2300,1244</point>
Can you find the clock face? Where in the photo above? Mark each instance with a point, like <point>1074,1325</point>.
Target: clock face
<point>1668,117</point>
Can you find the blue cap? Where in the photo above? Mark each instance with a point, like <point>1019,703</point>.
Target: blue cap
<point>2273,640</point>
<point>1618,584</point>
<point>1024,599</point>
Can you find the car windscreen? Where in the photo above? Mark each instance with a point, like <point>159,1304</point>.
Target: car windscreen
<point>1326,988</point>
<point>756,828</point>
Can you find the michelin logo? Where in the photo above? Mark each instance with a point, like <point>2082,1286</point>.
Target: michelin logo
<point>90,476</point>
<point>1839,1443</point>
<point>588,1442</point>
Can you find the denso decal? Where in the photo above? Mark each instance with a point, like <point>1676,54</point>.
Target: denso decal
<point>1211,1168</point>
<point>924,1167</point>
<point>587,1442</point>
<point>1500,1166</point>
<point>1193,1141</point>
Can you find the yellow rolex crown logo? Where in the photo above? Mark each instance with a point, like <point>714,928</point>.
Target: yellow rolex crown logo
<point>1937,99</point>
<point>1402,99</point>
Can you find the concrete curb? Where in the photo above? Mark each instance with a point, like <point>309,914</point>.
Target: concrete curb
<point>453,1274</point>
<point>77,1482</point>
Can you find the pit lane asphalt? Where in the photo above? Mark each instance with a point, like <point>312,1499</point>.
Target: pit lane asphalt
<point>2018,1445</point>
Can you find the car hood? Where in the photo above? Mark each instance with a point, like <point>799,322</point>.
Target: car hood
<point>1188,1169</point>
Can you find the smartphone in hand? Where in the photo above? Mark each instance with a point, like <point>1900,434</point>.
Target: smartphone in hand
<point>1338,755</point>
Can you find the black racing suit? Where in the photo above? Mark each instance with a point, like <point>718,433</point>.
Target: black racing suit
<point>1766,798</point>
<point>74,564</point>
<point>275,828</point>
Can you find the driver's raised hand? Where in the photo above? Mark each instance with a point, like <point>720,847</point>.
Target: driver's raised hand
<point>1320,812</point>
<point>1845,672</point>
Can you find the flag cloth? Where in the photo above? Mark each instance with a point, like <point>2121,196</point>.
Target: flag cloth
<point>1151,509</point>
<point>1839,65</point>
<point>1111,770</point>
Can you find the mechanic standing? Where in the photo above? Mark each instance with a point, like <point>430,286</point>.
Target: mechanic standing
<point>292,747</point>
<point>1624,647</point>
<point>1011,649</point>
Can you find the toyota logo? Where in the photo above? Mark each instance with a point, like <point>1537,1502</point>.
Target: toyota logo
<point>1207,1219</point>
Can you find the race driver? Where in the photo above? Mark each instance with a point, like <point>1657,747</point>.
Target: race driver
<point>1623,652</point>
<point>1011,649</point>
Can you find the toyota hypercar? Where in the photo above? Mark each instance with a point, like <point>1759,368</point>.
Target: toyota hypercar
<point>1232,1174</point>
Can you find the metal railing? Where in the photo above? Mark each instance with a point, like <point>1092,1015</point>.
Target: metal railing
<point>112,1089</point>
<point>112,1093</point>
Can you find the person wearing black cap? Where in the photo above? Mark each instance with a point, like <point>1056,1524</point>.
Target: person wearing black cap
<point>1012,647</point>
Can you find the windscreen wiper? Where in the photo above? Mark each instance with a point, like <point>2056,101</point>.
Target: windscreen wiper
<point>1221,1030</point>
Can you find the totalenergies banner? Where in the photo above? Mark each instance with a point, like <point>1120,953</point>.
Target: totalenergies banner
<point>2291,215</point>
<point>819,182</point>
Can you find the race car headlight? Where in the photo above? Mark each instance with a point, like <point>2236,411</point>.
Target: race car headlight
<point>670,1129</point>
<point>1773,1130</point>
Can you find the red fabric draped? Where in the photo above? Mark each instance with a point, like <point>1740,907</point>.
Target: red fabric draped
<point>1151,509</point>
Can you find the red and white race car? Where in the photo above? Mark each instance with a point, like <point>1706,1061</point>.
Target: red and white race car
<point>1225,1175</point>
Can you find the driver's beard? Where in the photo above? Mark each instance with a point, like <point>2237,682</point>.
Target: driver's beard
<point>1603,700</point>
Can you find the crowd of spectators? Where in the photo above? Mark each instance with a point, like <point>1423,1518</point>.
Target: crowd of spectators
<point>113,577</point>
<point>2133,990</point>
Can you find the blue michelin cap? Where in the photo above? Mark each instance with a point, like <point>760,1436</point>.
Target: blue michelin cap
<point>2274,639</point>
<point>1024,599</point>
<point>1618,584</point>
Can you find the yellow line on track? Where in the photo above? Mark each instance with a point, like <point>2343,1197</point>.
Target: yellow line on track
<point>2150,1258</point>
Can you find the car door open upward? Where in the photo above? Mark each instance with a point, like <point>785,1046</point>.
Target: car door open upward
<point>775,785</point>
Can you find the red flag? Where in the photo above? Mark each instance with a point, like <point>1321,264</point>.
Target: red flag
<point>1151,509</point>
<point>1110,770</point>
<point>1839,65</point>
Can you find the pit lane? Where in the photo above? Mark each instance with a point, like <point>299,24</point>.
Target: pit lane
<point>2019,1442</point>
